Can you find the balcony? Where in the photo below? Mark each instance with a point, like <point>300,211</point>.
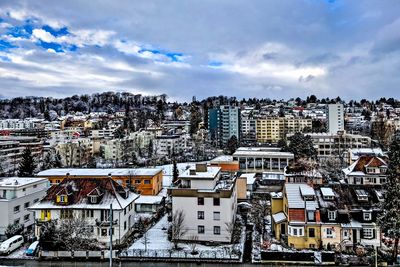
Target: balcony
<point>105,222</point>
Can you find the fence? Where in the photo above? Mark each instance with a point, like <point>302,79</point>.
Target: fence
<point>104,254</point>
<point>324,257</point>
<point>219,254</point>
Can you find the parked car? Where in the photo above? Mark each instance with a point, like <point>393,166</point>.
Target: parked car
<point>32,249</point>
<point>11,244</point>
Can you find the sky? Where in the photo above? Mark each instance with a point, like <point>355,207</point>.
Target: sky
<point>258,48</point>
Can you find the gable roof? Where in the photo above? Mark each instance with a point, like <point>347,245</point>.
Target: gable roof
<point>358,167</point>
<point>80,188</point>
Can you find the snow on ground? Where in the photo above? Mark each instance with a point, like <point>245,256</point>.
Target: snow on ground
<point>17,254</point>
<point>157,240</point>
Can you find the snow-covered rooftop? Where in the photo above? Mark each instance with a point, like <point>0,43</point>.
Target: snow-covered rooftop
<point>210,173</point>
<point>279,217</point>
<point>327,192</point>
<point>100,172</point>
<point>16,182</point>
<point>250,177</point>
<point>295,199</point>
<point>223,158</point>
<point>149,200</point>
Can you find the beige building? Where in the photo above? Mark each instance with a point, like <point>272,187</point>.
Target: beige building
<point>271,130</point>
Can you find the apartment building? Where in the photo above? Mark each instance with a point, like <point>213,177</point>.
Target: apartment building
<point>337,145</point>
<point>249,130</point>
<point>89,199</point>
<point>147,181</point>
<point>335,115</point>
<point>16,196</point>
<point>75,152</point>
<point>166,145</point>
<point>223,123</point>
<point>208,203</point>
<point>271,130</point>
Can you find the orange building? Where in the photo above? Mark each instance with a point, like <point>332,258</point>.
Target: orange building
<point>147,181</point>
<point>226,163</point>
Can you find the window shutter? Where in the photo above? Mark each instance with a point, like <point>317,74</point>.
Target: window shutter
<point>362,233</point>
<point>373,233</point>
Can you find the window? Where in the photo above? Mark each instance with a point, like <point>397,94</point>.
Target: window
<point>331,215</point>
<point>312,245</point>
<point>137,181</point>
<point>295,231</point>
<point>200,201</point>
<point>367,216</point>
<point>368,233</point>
<point>200,215</point>
<point>16,209</point>
<point>93,199</point>
<point>35,185</point>
<point>16,221</point>
<point>26,217</point>
<point>35,200</point>
<point>216,201</point>
<point>217,216</point>
<point>217,230</point>
<point>200,229</point>
<point>147,181</point>
<point>89,213</point>
<point>311,232</point>
<point>311,216</point>
<point>26,205</point>
<point>329,232</point>
<point>124,225</point>
<point>63,198</point>
<point>104,232</point>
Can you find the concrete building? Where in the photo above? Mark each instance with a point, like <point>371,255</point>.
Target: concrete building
<point>208,203</point>
<point>167,144</point>
<point>262,159</point>
<point>16,196</point>
<point>335,115</point>
<point>89,199</point>
<point>249,130</point>
<point>337,145</point>
<point>271,130</point>
<point>223,123</point>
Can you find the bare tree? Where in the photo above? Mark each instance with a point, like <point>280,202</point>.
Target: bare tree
<point>145,240</point>
<point>74,233</point>
<point>193,243</point>
<point>178,227</point>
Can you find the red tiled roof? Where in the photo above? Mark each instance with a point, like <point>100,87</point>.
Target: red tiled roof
<point>81,187</point>
<point>368,161</point>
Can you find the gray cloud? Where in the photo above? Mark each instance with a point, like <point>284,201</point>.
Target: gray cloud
<point>267,48</point>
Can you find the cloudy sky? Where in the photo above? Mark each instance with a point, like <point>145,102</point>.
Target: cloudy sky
<point>276,49</point>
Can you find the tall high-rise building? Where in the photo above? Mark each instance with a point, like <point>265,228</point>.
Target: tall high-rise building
<point>223,123</point>
<point>335,115</point>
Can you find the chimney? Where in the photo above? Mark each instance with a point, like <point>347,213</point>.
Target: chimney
<point>201,167</point>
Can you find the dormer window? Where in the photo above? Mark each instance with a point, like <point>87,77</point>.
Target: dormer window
<point>308,197</point>
<point>367,216</point>
<point>63,199</point>
<point>93,199</point>
<point>331,215</point>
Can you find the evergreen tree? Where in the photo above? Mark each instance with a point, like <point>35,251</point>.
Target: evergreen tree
<point>27,166</point>
<point>302,146</point>
<point>232,144</point>
<point>175,172</point>
<point>389,219</point>
<point>57,161</point>
<point>150,149</point>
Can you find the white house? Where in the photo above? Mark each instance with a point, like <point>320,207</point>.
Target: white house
<point>16,196</point>
<point>89,199</point>
<point>207,202</point>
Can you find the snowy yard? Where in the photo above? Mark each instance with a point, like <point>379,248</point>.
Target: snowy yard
<point>17,254</point>
<point>158,245</point>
